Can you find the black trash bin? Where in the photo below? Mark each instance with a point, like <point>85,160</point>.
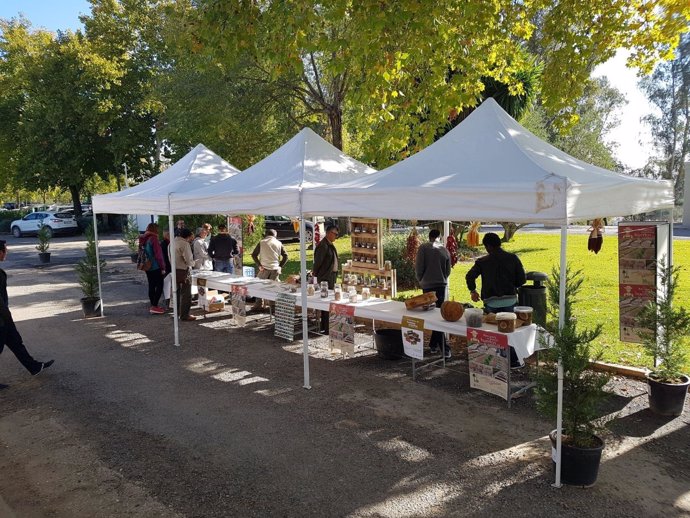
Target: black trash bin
<point>389,344</point>
<point>534,295</point>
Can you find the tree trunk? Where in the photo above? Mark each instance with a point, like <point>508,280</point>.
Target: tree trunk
<point>509,230</point>
<point>75,191</point>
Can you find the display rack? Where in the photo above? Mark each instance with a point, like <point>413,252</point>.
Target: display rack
<point>367,247</point>
<point>381,282</point>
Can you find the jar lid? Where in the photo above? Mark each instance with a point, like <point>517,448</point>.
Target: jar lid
<point>523,309</point>
<point>504,315</point>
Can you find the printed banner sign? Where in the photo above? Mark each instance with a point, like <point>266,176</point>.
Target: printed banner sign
<point>413,337</point>
<point>342,327</point>
<point>489,359</point>
<point>239,304</point>
<point>637,274</point>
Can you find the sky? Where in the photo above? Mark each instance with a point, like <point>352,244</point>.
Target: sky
<point>632,136</point>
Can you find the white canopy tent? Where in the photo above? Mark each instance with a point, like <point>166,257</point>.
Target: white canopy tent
<point>276,185</point>
<point>199,168</point>
<point>490,168</point>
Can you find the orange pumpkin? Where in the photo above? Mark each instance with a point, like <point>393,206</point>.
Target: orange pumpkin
<point>452,311</point>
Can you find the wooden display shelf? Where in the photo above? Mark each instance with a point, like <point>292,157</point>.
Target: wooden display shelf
<point>389,275</point>
<point>366,231</point>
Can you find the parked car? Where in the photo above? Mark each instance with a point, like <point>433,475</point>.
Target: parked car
<point>286,230</point>
<point>57,223</point>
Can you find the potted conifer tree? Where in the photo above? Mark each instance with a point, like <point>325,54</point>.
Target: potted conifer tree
<point>44,235</point>
<point>583,388</point>
<point>130,235</point>
<point>87,269</point>
<point>666,339</point>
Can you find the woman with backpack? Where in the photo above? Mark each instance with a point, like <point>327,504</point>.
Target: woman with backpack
<point>155,274</point>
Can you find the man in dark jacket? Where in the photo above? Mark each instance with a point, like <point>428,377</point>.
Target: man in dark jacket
<point>326,266</point>
<point>222,249</point>
<point>432,268</point>
<point>502,274</point>
<point>9,335</point>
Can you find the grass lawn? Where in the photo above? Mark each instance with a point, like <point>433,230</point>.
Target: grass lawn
<point>598,301</point>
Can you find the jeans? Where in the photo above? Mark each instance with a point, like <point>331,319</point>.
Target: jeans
<point>438,339</point>
<point>155,278</point>
<point>223,265</point>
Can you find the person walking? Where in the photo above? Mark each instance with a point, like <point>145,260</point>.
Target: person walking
<point>432,269</point>
<point>326,267</point>
<point>502,274</point>
<point>184,261</point>
<point>9,335</point>
<point>222,249</point>
<point>149,241</point>
<point>202,259</point>
<point>269,256</point>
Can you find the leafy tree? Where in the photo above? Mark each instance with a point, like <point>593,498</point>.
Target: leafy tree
<point>668,88</point>
<point>63,137</point>
<point>398,73</point>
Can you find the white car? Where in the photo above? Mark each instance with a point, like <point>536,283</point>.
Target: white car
<point>57,223</point>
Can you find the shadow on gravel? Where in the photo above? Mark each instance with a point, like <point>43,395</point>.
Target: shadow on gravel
<point>639,424</point>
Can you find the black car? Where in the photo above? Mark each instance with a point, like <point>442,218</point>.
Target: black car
<point>286,230</point>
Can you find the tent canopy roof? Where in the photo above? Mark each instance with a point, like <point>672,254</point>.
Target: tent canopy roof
<point>199,168</point>
<point>274,185</point>
<point>490,168</point>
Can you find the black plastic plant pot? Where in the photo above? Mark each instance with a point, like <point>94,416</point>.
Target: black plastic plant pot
<point>133,257</point>
<point>667,398</point>
<point>91,307</point>
<point>389,344</point>
<point>579,466</point>
<point>44,257</point>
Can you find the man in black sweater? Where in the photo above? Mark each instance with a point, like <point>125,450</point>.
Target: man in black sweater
<point>502,274</point>
<point>222,249</point>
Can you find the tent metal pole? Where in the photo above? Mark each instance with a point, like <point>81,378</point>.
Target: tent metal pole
<point>173,284</point>
<point>303,290</point>
<point>98,261</point>
<point>561,323</point>
<point>670,237</point>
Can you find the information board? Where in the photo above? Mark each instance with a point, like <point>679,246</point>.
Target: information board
<point>412,330</point>
<point>640,248</point>
<point>285,316</point>
<point>341,328</point>
<point>489,361</point>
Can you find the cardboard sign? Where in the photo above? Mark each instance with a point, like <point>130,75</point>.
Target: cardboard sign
<point>412,330</point>
<point>489,361</point>
<point>341,329</point>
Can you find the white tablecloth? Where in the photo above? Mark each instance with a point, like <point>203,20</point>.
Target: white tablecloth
<point>523,339</point>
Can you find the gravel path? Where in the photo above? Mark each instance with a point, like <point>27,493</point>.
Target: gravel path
<point>127,425</point>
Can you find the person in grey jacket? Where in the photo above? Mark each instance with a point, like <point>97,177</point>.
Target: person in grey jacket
<point>432,268</point>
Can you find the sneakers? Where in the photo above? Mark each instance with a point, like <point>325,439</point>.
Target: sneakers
<point>515,366</point>
<point>2,386</point>
<point>447,355</point>
<point>156,310</point>
<point>188,318</point>
<point>433,350</point>
<point>44,366</point>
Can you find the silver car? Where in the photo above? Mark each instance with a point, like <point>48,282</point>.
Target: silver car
<point>57,223</point>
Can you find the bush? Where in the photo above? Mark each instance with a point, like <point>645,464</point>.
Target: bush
<point>394,248</point>
<point>5,226</point>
